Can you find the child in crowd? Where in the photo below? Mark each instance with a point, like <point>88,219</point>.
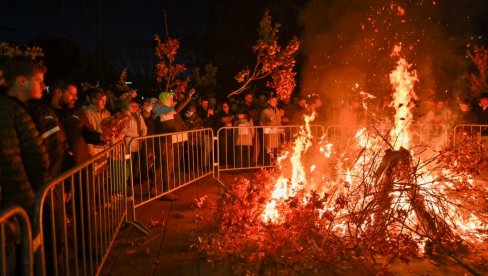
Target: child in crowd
<point>244,135</point>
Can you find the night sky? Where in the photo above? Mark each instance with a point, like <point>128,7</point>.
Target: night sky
<point>84,21</point>
<point>90,40</point>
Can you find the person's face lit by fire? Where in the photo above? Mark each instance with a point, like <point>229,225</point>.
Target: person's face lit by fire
<point>484,102</point>
<point>133,108</point>
<point>147,106</point>
<point>302,103</point>
<point>318,103</point>
<point>181,85</point>
<point>100,101</point>
<point>69,96</point>
<point>273,102</point>
<point>204,104</point>
<point>226,108</point>
<point>35,86</point>
<point>248,99</point>
<point>464,107</point>
<point>439,105</point>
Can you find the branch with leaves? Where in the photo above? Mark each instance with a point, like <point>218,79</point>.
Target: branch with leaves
<point>271,61</point>
<point>167,69</point>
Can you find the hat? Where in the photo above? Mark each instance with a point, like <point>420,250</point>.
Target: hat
<point>153,100</point>
<point>164,97</point>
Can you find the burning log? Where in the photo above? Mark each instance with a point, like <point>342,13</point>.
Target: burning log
<point>396,169</point>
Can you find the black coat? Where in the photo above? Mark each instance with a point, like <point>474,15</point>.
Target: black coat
<point>52,133</point>
<point>483,119</point>
<point>78,134</point>
<point>24,161</point>
<point>482,116</point>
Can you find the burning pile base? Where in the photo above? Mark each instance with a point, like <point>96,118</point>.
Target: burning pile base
<point>349,211</point>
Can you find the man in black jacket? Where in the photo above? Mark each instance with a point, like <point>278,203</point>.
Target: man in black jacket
<point>24,161</point>
<point>78,134</point>
<point>74,121</point>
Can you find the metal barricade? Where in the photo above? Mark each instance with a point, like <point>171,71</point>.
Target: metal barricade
<point>464,132</point>
<point>245,147</point>
<point>435,136</point>
<point>79,214</point>
<point>160,164</point>
<point>432,135</point>
<point>15,228</point>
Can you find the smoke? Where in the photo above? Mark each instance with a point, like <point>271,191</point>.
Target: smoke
<point>348,45</point>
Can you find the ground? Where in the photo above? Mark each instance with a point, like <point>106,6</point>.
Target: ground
<point>167,249</point>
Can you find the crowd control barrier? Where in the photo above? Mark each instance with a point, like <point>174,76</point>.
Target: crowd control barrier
<point>463,132</point>
<point>79,214</point>
<point>254,147</point>
<point>160,164</point>
<point>15,235</point>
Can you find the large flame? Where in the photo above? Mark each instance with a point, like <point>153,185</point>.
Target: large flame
<point>351,173</point>
<point>403,80</point>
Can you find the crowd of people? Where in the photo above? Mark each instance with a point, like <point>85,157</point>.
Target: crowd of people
<point>48,130</point>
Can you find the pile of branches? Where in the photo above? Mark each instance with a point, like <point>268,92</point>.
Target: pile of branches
<point>347,228</point>
<point>237,236</point>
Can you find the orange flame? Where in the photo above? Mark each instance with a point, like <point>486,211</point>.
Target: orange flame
<point>403,80</point>
<point>363,169</point>
<point>285,188</point>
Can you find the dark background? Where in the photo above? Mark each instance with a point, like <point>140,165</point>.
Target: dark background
<point>87,40</point>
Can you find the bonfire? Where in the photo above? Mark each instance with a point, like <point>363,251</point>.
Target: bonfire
<point>390,192</point>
